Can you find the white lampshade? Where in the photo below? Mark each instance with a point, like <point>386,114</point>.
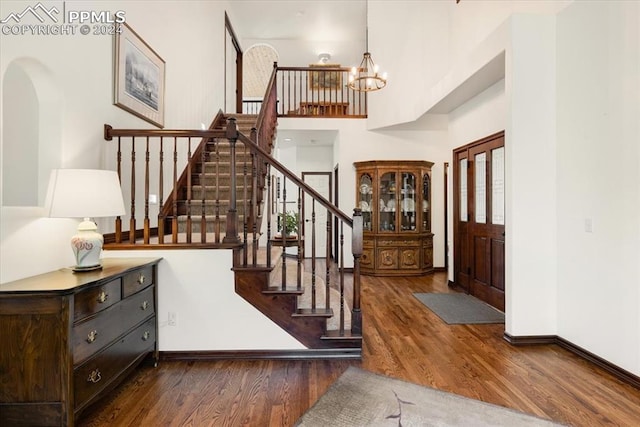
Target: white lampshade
<point>85,193</point>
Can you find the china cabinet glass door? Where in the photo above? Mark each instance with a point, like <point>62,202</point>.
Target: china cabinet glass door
<point>366,200</point>
<point>426,188</point>
<point>387,202</point>
<point>408,202</point>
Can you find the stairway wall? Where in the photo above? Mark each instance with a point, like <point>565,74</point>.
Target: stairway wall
<point>198,285</point>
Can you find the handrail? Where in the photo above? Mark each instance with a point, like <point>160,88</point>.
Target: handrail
<point>265,102</point>
<point>110,132</point>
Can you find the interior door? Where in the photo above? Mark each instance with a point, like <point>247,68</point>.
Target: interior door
<point>479,219</point>
<point>321,182</point>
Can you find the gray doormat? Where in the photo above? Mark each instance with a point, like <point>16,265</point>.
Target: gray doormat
<point>457,308</point>
<point>363,399</point>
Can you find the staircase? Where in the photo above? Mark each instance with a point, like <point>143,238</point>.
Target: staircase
<point>206,183</point>
<point>218,203</point>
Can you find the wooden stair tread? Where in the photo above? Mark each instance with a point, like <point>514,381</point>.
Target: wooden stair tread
<point>277,290</point>
<point>313,312</point>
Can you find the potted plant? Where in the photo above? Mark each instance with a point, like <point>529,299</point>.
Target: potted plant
<point>290,222</point>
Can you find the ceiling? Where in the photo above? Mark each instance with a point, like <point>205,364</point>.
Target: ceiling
<point>308,20</point>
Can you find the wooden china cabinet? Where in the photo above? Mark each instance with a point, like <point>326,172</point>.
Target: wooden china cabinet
<point>395,199</point>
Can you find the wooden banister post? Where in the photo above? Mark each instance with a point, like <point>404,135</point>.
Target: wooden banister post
<point>231,235</point>
<point>356,248</point>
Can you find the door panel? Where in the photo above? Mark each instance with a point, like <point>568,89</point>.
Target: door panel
<point>479,219</point>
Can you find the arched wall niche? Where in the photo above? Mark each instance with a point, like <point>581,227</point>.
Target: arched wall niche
<point>31,132</point>
<point>258,66</point>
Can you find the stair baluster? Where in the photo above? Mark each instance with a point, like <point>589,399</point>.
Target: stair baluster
<point>203,192</point>
<point>132,220</point>
<point>189,190</point>
<point>161,217</point>
<point>147,224</point>
<point>174,220</point>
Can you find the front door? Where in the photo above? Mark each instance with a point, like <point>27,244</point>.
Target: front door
<point>479,218</point>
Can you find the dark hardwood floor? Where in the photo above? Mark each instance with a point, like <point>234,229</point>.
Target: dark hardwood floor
<point>402,339</point>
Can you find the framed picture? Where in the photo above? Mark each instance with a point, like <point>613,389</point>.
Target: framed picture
<point>139,77</point>
<point>320,80</point>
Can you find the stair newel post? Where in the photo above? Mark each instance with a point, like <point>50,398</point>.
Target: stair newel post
<point>132,219</point>
<point>356,248</point>
<point>231,235</point>
<point>118,231</point>
<point>147,224</point>
<point>161,192</point>
<point>270,204</point>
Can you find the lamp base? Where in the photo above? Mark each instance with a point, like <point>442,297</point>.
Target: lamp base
<point>87,247</point>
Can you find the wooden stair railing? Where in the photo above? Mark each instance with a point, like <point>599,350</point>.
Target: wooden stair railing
<point>284,285</point>
<point>234,231</point>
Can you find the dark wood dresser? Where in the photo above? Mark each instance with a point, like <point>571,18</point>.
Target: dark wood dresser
<point>68,338</point>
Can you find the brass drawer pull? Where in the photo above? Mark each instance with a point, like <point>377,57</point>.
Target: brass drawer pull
<point>144,305</point>
<point>102,296</point>
<point>146,335</point>
<point>141,279</point>
<point>94,376</point>
<point>91,337</point>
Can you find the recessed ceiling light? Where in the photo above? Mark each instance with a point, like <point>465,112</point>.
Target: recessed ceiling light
<point>287,140</point>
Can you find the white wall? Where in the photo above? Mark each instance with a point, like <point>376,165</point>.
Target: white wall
<point>210,315</point>
<point>598,136</point>
<point>408,40</point>
<point>530,205</point>
<point>81,67</point>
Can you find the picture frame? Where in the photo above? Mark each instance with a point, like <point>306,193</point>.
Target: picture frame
<point>139,77</point>
<point>321,80</point>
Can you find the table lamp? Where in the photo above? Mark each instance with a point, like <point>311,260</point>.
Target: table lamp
<point>85,193</point>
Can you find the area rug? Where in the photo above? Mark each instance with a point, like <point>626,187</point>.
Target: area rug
<point>458,308</point>
<point>362,398</point>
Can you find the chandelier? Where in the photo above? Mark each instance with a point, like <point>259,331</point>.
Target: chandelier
<point>366,78</point>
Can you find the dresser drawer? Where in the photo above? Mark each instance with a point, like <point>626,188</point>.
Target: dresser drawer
<point>94,375</point>
<point>96,299</point>
<point>136,281</point>
<point>95,333</point>
<point>136,308</point>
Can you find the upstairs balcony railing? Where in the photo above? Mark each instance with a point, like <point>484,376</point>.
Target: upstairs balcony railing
<point>313,92</point>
